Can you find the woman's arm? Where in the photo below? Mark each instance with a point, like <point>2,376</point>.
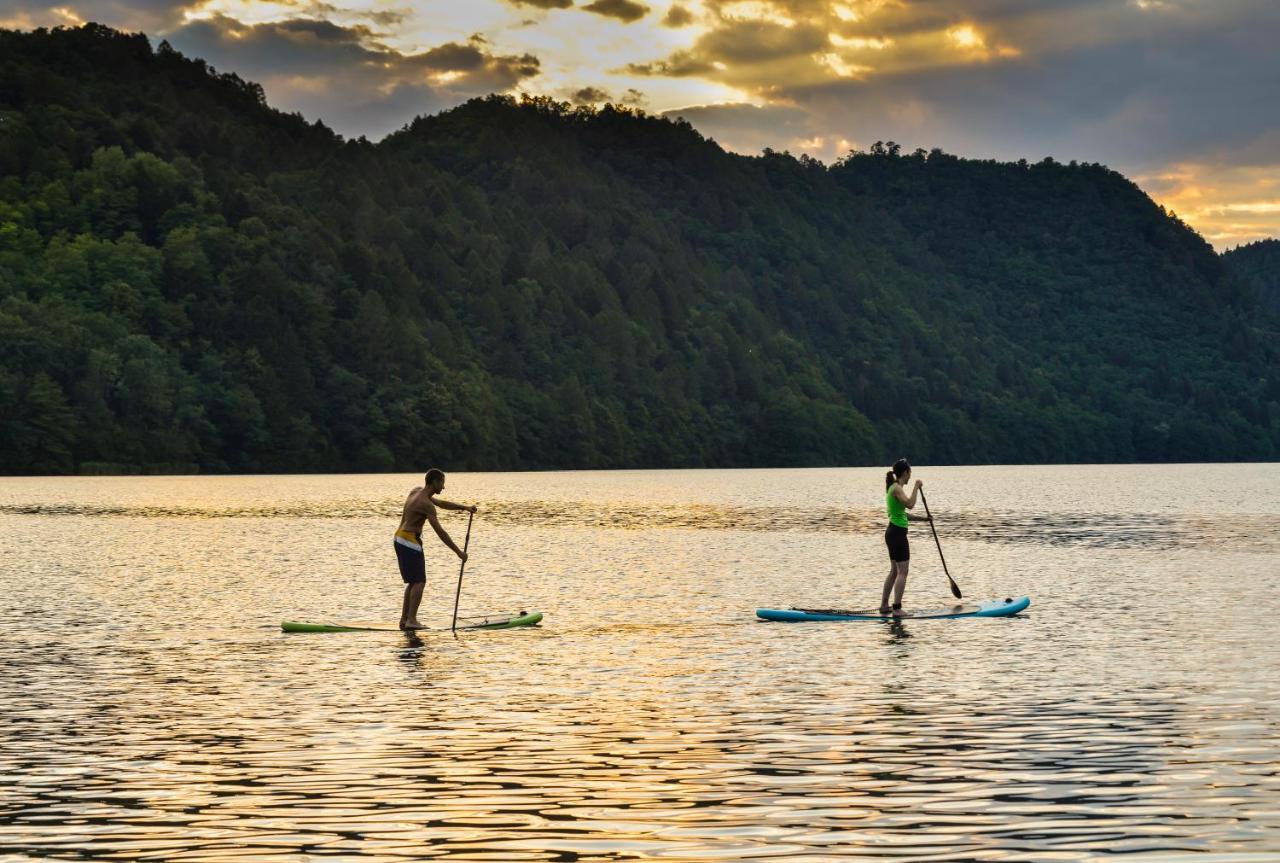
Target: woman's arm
<point>908,502</point>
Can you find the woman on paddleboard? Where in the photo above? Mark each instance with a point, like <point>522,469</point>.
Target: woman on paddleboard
<point>897,501</point>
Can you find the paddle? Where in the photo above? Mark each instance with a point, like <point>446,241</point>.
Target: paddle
<point>453,627</point>
<point>955,591</point>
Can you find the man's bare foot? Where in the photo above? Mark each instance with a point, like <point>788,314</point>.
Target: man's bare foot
<point>413,624</point>
<point>884,611</point>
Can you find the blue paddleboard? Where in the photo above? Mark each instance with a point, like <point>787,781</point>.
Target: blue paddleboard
<point>990,608</point>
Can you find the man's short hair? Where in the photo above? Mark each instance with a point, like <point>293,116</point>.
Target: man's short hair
<point>434,474</point>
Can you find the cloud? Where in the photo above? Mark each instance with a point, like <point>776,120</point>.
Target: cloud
<point>543,4</point>
<point>157,18</point>
<point>761,45</point>
<point>1228,204</point>
<point>746,128</point>
<point>755,42</point>
<point>591,96</point>
<point>632,98</point>
<point>680,64</point>
<point>346,76</point>
<point>1133,87</point>
<point>148,16</point>
<point>1132,103</point>
<point>473,59</point>
<point>753,55</point>
<point>677,16</point>
<point>626,11</point>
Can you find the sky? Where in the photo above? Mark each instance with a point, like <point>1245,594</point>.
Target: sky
<point>1182,96</point>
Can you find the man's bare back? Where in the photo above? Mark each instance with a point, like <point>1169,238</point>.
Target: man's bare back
<point>417,506</point>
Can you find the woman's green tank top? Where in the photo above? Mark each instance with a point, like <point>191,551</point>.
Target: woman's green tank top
<point>897,512</point>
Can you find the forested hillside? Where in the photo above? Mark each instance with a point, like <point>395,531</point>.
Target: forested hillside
<point>1258,265</point>
<point>190,280</point>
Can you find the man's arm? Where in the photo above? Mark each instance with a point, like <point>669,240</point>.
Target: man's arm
<point>445,504</point>
<point>442,533</point>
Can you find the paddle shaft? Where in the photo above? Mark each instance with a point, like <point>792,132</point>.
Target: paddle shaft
<point>453,627</point>
<point>955,590</point>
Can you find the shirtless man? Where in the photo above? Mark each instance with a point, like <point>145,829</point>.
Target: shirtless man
<point>418,508</point>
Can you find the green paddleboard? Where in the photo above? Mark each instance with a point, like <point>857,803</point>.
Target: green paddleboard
<point>489,621</point>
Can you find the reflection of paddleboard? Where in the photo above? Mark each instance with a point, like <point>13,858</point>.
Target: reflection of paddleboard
<point>990,608</point>
<point>489,621</point>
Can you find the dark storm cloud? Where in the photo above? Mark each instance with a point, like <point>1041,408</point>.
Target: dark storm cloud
<point>624,10</point>
<point>345,76</point>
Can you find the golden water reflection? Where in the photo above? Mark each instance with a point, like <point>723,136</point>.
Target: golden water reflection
<point>151,710</point>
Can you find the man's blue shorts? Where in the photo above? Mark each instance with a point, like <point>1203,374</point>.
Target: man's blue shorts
<point>413,563</point>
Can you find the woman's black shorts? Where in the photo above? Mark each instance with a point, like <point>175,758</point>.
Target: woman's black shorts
<point>895,537</point>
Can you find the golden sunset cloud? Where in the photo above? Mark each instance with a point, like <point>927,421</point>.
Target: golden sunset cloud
<point>1229,205</point>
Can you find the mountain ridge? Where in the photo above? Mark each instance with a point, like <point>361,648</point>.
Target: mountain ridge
<point>190,280</point>
<point>1257,264</point>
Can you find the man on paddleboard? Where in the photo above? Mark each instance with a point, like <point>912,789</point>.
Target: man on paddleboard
<point>418,508</point>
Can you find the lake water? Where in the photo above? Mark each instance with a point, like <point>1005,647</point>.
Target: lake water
<point>150,708</point>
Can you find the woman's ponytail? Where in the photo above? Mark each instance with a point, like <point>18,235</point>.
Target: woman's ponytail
<point>889,479</point>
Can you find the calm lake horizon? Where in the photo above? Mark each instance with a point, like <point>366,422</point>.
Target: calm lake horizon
<point>153,710</point>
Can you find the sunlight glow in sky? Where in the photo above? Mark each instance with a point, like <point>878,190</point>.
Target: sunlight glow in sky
<point>1181,95</point>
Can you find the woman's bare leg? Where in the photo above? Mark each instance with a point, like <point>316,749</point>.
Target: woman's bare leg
<point>901,584</point>
<point>888,586</point>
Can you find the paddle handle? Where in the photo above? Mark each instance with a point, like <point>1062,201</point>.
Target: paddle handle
<point>453,627</point>
<point>955,589</point>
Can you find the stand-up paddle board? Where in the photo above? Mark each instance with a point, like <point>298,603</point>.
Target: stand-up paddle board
<point>990,608</point>
<point>489,621</point>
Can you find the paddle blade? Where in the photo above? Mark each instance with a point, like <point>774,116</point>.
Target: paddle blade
<point>955,590</point>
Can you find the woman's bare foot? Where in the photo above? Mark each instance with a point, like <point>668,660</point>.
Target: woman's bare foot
<point>411,625</point>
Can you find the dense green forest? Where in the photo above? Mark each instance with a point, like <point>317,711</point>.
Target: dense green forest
<point>1258,264</point>
<point>191,280</point>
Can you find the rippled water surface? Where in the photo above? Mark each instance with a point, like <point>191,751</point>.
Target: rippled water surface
<point>150,708</point>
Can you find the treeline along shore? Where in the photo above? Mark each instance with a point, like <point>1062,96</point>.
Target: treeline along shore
<point>193,281</point>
